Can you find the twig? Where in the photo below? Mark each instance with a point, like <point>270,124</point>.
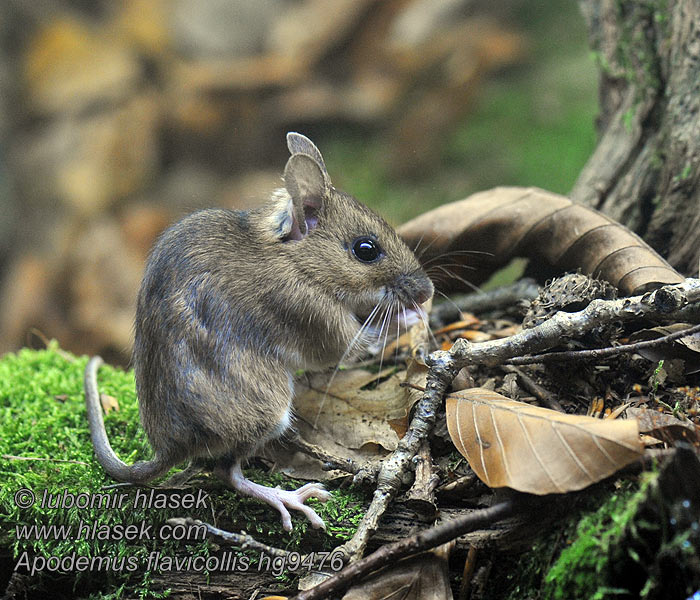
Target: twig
<point>421,496</point>
<point>347,465</point>
<point>399,463</point>
<point>602,352</point>
<point>543,395</point>
<point>422,541</point>
<point>665,302</point>
<point>243,540</point>
<point>60,460</point>
<point>467,573</point>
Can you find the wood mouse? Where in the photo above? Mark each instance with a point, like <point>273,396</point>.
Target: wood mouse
<point>232,303</point>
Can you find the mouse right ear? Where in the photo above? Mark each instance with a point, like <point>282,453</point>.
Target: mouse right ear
<point>300,144</point>
<point>308,184</point>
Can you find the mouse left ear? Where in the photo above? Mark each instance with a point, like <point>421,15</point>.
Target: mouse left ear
<point>308,185</point>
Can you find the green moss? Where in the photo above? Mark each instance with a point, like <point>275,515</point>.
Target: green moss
<point>43,418</point>
<point>582,564</point>
<point>633,539</point>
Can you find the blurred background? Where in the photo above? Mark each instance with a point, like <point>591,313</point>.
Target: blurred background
<point>118,117</point>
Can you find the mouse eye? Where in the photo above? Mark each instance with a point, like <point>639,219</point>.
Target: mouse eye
<point>367,250</point>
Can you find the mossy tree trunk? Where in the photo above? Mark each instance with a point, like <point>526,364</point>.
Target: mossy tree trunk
<point>645,171</point>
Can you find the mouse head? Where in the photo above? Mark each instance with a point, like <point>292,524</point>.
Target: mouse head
<point>343,247</point>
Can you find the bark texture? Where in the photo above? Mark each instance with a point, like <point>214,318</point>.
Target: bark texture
<point>645,171</point>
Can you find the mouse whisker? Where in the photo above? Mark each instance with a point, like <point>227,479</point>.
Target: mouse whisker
<point>426,323</point>
<point>398,306</point>
<point>351,345</point>
<point>418,243</point>
<point>449,301</point>
<point>456,253</point>
<point>452,275</point>
<point>420,254</point>
<point>384,329</point>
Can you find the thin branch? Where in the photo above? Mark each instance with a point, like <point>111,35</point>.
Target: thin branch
<point>422,541</point>
<point>400,462</point>
<point>509,295</point>
<point>602,352</point>
<point>544,396</point>
<point>665,303</point>
<point>58,460</point>
<point>243,540</point>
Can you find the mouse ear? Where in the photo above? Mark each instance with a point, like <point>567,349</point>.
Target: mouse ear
<point>300,144</point>
<point>307,184</point>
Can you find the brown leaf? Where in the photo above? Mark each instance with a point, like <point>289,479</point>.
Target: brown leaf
<point>422,577</point>
<point>553,232</point>
<point>109,403</point>
<point>355,417</point>
<point>686,348</point>
<point>664,427</point>
<point>537,450</point>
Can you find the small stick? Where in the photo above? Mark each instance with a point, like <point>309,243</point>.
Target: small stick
<point>665,302</point>
<point>601,352</point>
<point>422,541</point>
<point>525,289</point>
<point>543,395</point>
<point>421,496</point>
<point>467,573</point>
<point>60,460</point>
<point>399,463</point>
<point>346,465</point>
<point>243,540</point>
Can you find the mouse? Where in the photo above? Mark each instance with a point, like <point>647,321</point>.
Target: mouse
<point>233,303</point>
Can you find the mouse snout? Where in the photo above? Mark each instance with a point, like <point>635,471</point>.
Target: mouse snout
<point>424,291</point>
<point>415,289</point>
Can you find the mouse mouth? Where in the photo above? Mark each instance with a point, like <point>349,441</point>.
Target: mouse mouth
<point>391,321</point>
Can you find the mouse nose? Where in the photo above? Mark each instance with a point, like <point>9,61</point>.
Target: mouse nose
<point>424,291</point>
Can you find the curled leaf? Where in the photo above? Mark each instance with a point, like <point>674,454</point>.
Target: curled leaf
<point>537,450</point>
<point>486,230</point>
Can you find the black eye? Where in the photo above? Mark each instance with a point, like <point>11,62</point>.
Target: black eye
<point>366,249</point>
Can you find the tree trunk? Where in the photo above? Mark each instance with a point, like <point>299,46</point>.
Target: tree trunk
<point>645,171</point>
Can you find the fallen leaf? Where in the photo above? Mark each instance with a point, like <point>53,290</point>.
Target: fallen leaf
<point>663,426</point>
<point>422,577</point>
<point>547,228</point>
<point>109,403</point>
<point>459,325</point>
<point>686,348</point>
<point>341,407</point>
<point>537,450</point>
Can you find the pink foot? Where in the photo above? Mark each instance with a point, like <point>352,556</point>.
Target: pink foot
<point>281,499</point>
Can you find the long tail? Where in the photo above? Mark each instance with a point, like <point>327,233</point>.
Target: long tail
<point>140,472</point>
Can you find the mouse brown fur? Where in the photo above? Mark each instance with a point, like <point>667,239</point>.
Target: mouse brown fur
<point>233,302</point>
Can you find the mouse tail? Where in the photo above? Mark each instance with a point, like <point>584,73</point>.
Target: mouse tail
<point>140,472</point>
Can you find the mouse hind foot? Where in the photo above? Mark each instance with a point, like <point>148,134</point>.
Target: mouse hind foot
<point>282,500</point>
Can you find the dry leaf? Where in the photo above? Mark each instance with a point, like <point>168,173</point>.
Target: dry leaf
<point>422,577</point>
<point>664,427</point>
<point>352,416</point>
<point>458,325</point>
<point>537,450</point>
<point>686,348</point>
<point>507,222</point>
<point>109,403</point>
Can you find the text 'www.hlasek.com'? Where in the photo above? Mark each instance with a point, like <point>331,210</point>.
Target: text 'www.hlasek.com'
<point>146,556</point>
